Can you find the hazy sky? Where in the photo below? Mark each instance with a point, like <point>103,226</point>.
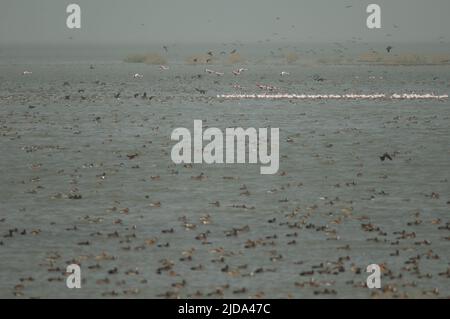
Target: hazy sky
<point>171,21</point>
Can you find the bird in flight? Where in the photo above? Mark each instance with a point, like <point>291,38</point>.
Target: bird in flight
<point>239,71</point>
<point>385,156</point>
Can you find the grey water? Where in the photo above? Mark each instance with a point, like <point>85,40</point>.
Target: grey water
<point>87,178</point>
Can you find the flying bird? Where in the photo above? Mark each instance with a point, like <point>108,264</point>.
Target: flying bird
<point>132,156</point>
<point>385,156</point>
<point>239,71</point>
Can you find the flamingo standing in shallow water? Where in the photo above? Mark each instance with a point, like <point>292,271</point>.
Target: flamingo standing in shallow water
<point>213,72</point>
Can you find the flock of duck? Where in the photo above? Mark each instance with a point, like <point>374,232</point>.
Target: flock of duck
<point>88,180</point>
